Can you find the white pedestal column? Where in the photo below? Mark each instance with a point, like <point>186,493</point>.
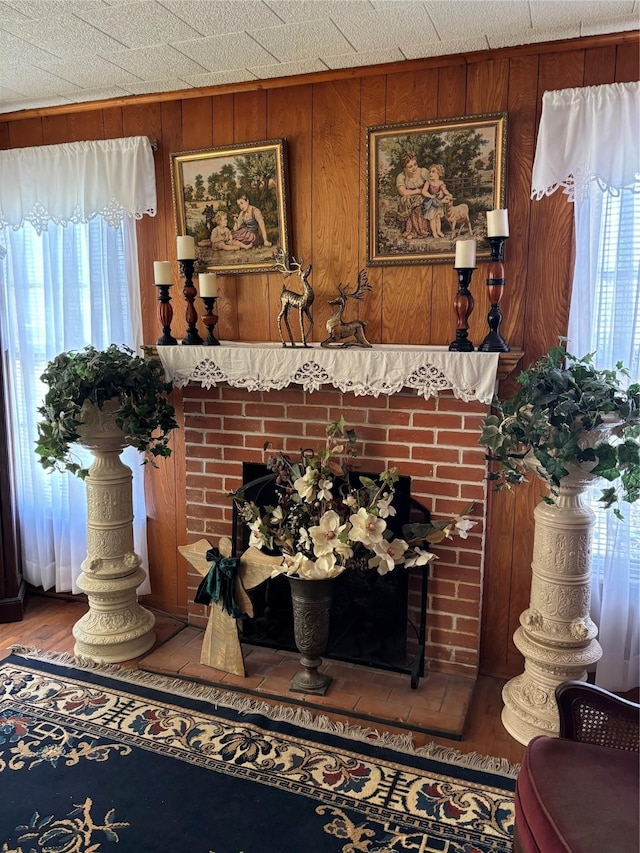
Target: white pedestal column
<point>556,635</point>
<point>116,628</point>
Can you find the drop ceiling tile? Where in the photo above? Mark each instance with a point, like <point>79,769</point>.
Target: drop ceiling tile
<point>19,52</point>
<point>445,48</point>
<point>64,35</point>
<point>294,11</point>
<point>369,57</point>
<point>219,78</point>
<point>138,25</point>
<point>288,69</point>
<point>621,25</point>
<point>35,82</point>
<point>388,25</point>
<point>8,12</point>
<point>155,63</point>
<point>302,41</point>
<point>551,13</point>
<point>488,16</point>
<point>35,103</point>
<point>214,17</point>
<point>172,85</point>
<point>93,72</point>
<point>7,95</point>
<point>38,9</point>
<point>101,94</point>
<point>218,53</point>
<point>506,37</point>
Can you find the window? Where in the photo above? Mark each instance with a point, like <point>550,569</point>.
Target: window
<point>616,337</point>
<point>60,290</point>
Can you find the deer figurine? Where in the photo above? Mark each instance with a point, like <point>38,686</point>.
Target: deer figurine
<point>339,331</point>
<point>300,302</point>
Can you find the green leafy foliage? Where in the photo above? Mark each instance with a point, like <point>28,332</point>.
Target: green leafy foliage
<point>145,415</point>
<point>567,413</point>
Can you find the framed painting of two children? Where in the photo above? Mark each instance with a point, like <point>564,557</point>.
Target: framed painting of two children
<point>432,183</point>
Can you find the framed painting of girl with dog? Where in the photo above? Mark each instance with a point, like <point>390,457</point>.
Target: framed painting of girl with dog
<point>432,183</point>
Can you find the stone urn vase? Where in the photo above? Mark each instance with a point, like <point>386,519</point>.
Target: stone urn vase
<point>311,601</point>
<point>556,635</point>
<point>117,627</point>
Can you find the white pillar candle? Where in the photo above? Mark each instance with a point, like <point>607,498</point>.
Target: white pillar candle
<point>186,248</point>
<point>465,254</point>
<point>207,284</point>
<point>497,223</point>
<point>162,272</point>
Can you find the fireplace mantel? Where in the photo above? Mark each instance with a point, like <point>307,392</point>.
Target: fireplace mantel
<point>383,369</point>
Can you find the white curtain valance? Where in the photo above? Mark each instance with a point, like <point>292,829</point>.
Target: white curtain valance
<point>77,181</point>
<point>586,135</point>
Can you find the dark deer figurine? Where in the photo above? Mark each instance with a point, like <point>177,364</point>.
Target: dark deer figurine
<point>339,331</point>
<point>289,299</point>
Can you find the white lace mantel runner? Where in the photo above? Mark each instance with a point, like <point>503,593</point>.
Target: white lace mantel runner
<point>383,369</point>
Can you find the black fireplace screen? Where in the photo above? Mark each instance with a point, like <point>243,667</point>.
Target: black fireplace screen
<point>370,621</point>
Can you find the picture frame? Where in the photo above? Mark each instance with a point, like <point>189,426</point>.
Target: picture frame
<point>234,201</point>
<point>408,224</point>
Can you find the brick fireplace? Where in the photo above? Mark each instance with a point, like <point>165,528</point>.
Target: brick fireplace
<point>433,441</point>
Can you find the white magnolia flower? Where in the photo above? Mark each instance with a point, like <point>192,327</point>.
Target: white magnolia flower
<point>326,533</point>
<point>350,501</point>
<point>342,549</point>
<point>304,540</point>
<point>326,567</point>
<point>294,564</point>
<point>306,485</point>
<point>277,515</point>
<point>385,507</point>
<point>366,528</point>
<point>419,557</point>
<point>387,554</point>
<point>324,489</point>
<point>463,525</point>
<point>255,537</point>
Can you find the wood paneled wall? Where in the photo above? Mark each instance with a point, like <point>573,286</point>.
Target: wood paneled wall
<point>324,119</point>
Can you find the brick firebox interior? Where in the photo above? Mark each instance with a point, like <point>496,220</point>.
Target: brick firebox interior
<point>433,441</point>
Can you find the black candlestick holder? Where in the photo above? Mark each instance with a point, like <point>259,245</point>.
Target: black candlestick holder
<point>494,342</point>
<point>210,319</point>
<point>463,306</point>
<point>165,314</point>
<point>189,292</point>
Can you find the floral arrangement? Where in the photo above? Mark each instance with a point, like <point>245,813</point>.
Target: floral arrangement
<point>327,519</point>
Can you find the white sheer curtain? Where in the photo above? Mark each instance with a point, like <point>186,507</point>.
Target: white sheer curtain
<point>589,143</point>
<point>68,278</point>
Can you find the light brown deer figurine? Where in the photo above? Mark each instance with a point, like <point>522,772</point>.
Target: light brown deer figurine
<point>289,299</point>
<point>339,332</point>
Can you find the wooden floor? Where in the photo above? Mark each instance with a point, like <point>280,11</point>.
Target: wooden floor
<point>48,622</point>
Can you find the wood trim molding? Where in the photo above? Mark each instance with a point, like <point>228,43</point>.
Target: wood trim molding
<point>508,362</point>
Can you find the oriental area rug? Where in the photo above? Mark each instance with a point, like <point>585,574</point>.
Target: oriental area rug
<point>102,758</point>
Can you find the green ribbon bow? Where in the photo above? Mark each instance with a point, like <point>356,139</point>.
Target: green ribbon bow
<point>220,583</point>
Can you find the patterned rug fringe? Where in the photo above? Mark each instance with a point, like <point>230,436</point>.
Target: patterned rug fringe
<point>299,717</point>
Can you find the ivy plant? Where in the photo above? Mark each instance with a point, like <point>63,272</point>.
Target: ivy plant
<point>544,427</point>
<point>144,415</point>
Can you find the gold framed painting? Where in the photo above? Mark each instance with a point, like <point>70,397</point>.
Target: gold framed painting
<point>431,183</point>
<point>233,201</point>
